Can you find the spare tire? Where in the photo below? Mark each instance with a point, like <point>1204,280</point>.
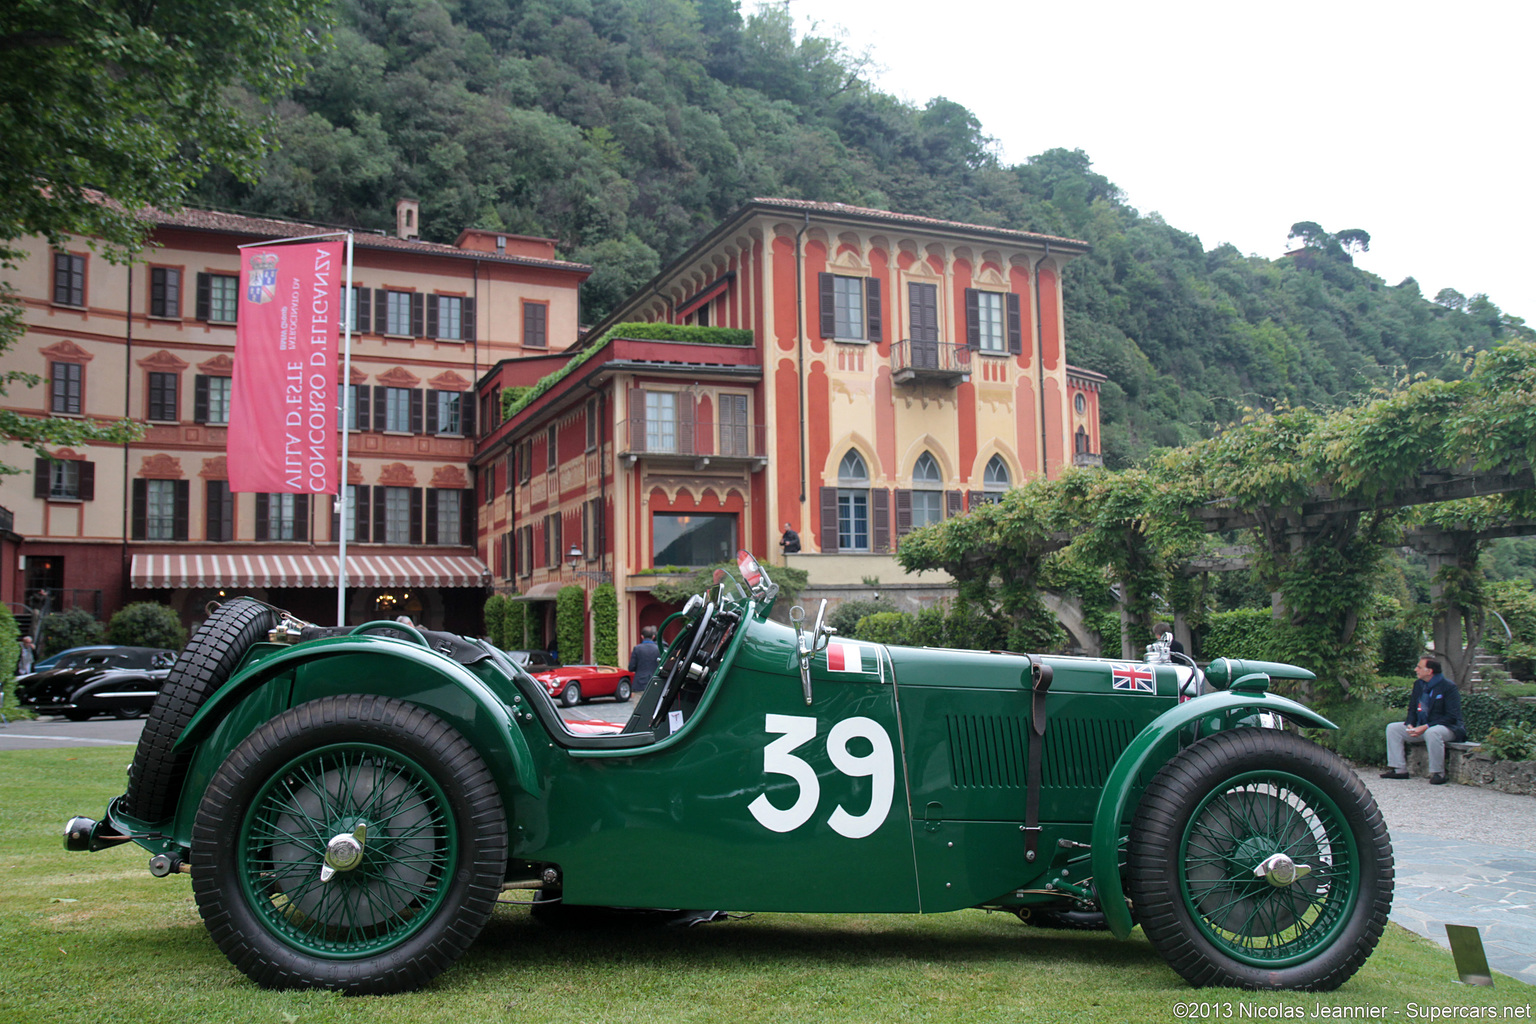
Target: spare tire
<point>210,657</point>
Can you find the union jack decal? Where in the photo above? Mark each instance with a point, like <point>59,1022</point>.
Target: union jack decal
<point>1133,678</point>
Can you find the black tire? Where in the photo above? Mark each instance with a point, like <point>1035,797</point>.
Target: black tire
<point>433,857</point>
<point>1218,810</point>
<point>209,659</point>
<point>571,695</point>
<point>621,692</point>
<point>127,712</point>
<point>76,716</point>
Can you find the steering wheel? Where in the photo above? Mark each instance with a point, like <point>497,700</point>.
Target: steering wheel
<point>675,669</point>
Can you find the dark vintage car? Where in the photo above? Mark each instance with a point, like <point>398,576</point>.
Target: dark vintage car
<point>572,684</point>
<point>532,661</point>
<point>119,681</point>
<point>351,804</point>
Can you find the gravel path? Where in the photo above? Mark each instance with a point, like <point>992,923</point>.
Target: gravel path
<point>1453,811</point>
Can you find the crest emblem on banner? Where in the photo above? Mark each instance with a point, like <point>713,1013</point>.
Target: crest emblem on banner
<point>261,283</point>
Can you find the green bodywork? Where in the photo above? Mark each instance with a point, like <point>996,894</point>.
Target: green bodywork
<point>900,788</point>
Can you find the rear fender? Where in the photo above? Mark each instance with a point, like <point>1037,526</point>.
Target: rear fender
<point>1210,713</point>
<point>270,683</point>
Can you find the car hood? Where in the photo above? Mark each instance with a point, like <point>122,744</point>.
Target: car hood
<point>61,682</point>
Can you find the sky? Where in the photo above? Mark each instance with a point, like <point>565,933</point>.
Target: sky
<point>1235,120</point>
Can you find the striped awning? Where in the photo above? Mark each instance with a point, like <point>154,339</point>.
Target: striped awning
<point>157,572</point>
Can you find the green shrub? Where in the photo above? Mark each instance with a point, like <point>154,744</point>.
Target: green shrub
<point>1513,742</point>
<point>1362,730</point>
<point>75,627</point>
<point>928,629</point>
<point>496,620</point>
<point>605,625</point>
<point>1481,711</point>
<point>886,627</point>
<point>1399,647</point>
<point>514,630</point>
<point>146,624</point>
<point>1245,633</point>
<point>571,624</point>
<point>845,617</point>
<point>10,650</point>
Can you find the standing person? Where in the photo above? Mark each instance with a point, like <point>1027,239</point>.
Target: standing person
<point>642,660</point>
<point>28,654</point>
<point>790,542</point>
<point>1433,719</point>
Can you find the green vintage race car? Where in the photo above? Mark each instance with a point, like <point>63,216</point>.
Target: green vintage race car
<point>350,803</point>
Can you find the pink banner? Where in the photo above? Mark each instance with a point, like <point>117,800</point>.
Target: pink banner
<point>282,415</point>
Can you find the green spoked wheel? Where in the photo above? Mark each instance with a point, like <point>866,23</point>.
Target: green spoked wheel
<point>1259,860</point>
<point>352,843</point>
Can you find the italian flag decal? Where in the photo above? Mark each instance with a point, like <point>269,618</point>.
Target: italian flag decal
<point>843,657</point>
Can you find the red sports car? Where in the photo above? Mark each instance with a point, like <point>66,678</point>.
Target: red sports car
<point>572,684</point>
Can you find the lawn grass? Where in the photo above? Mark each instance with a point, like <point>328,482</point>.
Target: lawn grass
<point>94,938</point>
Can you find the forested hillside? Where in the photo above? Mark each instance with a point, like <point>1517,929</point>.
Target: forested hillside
<point>627,128</point>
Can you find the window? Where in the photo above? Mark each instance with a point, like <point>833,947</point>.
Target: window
<point>67,379</point>
<point>218,297</point>
<point>992,322</point>
<point>660,421</point>
<point>995,480</point>
<point>210,400</point>
<point>160,509</point>
<point>397,515</point>
<point>397,313</point>
<point>360,310</point>
<point>68,279</point>
<point>551,451</point>
<point>445,516</point>
<point>852,504</point>
<point>282,517</point>
<point>693,539</point>
<point>64,480</point>
<point>535,325</point>
<point>1080,441</point>
<point>356,521</point>
<point>164,292</point>
<point>927,492</point>
<point>525,461</point>
<point>219,524</point>
<point>445,317</point>
<point>850,307</point>
<point>162,396</point>
<point>397,410</point>
<point>591,424</point>
<point>733,425</point>
<point>1080,403</point>
<point>357,398</point>
<point>445,411</point>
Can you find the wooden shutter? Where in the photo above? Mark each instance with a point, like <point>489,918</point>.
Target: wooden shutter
<point>468,525</point>
<point>381,311</point>
<point>418,311</point>
<point>338,502</point>
<point>636,420</point>
<point>972,319</point>
<point>467,413</point>
<point>880,512</point>
<point>903,512</point>
<point>364,403</point>
<point>973,500</point>
<point>218,523</point>
<point>301,517</point>
<point>183,509</point>
<point>430,531</point>
<point>469,322</point>
<point>378,514</point>
<point>415,422</point>
<point>828,306</point>
<point>1015,326</point>
<point>380,407</point>
<point>204,295</point>
<point>952,505</point>
<point>200,399</point>
<point>87,481</point>
<point>140,509</point>
<point>431,302</point>
<point>687,406</point>
<point>263,518</point>
<point>872,308</point>
<point>42,478</point>
<point>416,516</point>
<point>364,311</point>
<point>829,520</point>
<point>432,425</point>
<point>923,303</point>
<point>360,532</point>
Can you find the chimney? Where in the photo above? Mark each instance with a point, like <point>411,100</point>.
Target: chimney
<point>407,224</point>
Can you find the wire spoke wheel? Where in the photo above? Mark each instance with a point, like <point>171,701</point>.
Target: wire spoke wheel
<point>410,840</point>
<point>1257,859</point>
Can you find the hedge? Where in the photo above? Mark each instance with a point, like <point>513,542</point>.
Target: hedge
<point>605,625</point>
<point>571,624</point>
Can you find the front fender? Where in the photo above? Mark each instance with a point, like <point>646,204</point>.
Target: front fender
<point>385,667</point>
<point>1215,710</point>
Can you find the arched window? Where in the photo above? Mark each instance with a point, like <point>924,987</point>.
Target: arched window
<point>927,492</point>
<point>852,503</point>
<point>1080,441</point>
<point>995,479</point>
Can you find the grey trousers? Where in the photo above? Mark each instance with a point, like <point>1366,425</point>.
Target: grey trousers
<point>1435,738</point>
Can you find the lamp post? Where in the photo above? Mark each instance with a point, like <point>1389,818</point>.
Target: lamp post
<point>573,556</point>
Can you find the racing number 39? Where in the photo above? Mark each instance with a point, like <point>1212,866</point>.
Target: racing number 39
<point>779,759</point>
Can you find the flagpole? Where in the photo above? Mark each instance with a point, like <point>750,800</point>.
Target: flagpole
<point>346,422</point>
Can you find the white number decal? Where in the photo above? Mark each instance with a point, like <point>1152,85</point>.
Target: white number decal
<point>777,760</point>
<point>879,765</point>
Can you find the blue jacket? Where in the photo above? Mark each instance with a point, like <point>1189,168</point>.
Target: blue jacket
<point>1442,705</point>
<point>642,661</point>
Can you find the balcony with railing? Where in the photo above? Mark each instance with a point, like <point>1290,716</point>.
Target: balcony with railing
<point>1087,459</point>
<point>929,362</point>
<point>701,442</point>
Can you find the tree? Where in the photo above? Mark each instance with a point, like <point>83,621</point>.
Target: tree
<point>111,106</point>
<point>146,624</point>
<point>74,627</point>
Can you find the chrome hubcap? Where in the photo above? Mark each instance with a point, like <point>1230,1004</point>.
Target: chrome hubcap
<point>1279,870</point>
<point>344,852</point>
